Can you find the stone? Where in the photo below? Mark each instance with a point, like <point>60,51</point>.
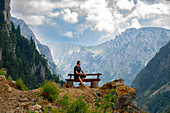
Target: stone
<point>9,89</point>
<point>113,84</point>
<point>69,84</point>
<point>40,100</point>
<point>94,84</point>
<point>2,78</point>
<point>24,104</point>
<point>25,99</point>
<point>36,107</point>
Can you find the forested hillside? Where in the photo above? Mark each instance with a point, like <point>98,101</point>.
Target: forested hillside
<point>153,83</point>
<point>28,31</point>
<point>19,55</point>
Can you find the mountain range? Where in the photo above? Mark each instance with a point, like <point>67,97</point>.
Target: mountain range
<point>153,83</point>
<point>123,57</point>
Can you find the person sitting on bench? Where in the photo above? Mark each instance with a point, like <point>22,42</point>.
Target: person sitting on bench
<point>78,75</point>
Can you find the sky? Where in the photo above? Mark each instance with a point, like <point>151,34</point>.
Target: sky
<point>90,22</point>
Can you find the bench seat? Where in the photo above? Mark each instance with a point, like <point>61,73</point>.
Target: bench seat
<point>85,80</point>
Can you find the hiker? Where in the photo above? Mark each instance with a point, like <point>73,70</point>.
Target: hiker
<point>78,75</point>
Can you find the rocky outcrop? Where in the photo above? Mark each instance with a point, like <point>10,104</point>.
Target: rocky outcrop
<point>13,100</point>
<point>125,95</point>
<point>16,101</point>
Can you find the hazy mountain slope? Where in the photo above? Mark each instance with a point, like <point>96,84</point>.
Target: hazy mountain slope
<point>153,83</point>
<point>122,57</point>
<point>28,32</point>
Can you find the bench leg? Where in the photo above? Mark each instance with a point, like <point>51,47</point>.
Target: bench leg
<point>69,84</point>
<point>94,84</point>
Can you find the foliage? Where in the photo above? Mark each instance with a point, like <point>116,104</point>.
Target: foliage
<point>3,71</point>
<point>50,90</point>
<point>107,102</point>
<point>9,78</point>
<point>30,112</point>
<point>65,102</point>
<point>20,85</point>
<point>79,106</point>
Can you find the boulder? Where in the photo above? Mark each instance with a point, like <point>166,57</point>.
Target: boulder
<point>36,107</point>
<point>2,78</point>
<point>113,84</point>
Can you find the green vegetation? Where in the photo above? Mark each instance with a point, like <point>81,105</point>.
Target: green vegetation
<point>9,78</point>
<point>69,106</point>
<point>50,90</point>
<point>3,72</point>
<point>20,85</point>
<point>107,102</point>
<point>78,106</point>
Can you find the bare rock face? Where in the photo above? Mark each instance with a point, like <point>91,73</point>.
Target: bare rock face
<point>7,16</point>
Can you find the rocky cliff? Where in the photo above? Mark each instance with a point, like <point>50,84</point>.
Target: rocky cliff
<point>13,100</point>
<point>7,15</point>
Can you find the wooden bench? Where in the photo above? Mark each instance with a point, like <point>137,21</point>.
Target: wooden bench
<point>94,82</point>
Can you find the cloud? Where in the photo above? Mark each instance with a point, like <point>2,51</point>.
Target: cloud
<point>69,16</point>
<point>69,34</point>
<point>125,4</point>
<point>125,17</point>
<point>135,23</point>
<point>31,19</point>
<point>55,14</point>
<point>104,15</point>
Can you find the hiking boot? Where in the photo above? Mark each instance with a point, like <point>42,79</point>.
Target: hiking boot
<point>81,84</point>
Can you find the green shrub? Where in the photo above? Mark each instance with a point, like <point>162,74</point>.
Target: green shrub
<point>20,85</point>
<point>107,102</point>
<point>9,78</point>
<point>50,90</point>
<point>65,102</point>
<point>3,71</point>
<point>78,106</point>
<point>30,112</point>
